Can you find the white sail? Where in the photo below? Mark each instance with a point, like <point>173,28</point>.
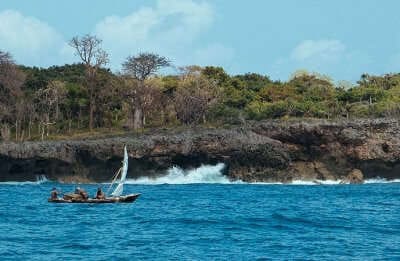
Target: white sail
<point>120,188</point>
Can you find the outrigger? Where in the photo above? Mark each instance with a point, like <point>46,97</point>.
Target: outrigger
<point>115,196</point>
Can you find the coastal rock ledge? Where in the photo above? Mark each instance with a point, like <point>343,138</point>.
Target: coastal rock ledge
<point>266,151</point>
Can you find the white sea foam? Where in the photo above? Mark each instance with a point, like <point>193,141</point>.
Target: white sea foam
<point>302,182</point>
<point>315,182</point>
<point>176,175</point>
<point>213,174</point>
<point>378,180</point>
<point>40,179</point>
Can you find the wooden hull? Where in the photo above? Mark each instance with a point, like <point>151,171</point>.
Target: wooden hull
<point>122,199</point>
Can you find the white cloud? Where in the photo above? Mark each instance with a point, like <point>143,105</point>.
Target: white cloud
<point>330,57</point>
<point>196,13</point>
<point>318,51</point>
<point>28,39</point>
<point>170,28</point>
<point>133,28</point>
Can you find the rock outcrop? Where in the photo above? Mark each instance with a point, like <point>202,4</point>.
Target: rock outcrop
<point>268,151</point>
<point>354,177</point>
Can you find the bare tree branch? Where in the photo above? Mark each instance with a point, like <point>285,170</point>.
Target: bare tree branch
<point>89,50</point>
<point>143,65</point>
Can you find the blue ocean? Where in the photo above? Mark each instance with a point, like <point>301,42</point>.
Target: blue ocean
<point>198,216</point>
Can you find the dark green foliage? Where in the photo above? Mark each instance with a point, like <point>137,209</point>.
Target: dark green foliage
<point>217,74</point>
<point>37,78</point>
<point>253,81</point>
<point>170,84</point>
<point>196,96</point>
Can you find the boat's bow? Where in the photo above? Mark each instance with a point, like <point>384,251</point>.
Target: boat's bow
<point>128,198</point>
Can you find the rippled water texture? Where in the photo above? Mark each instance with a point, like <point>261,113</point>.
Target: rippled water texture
<point>205,221</point>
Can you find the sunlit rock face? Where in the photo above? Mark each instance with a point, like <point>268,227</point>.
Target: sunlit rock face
<point>267,151</point>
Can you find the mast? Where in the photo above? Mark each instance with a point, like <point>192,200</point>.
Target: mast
<point>120,188</point>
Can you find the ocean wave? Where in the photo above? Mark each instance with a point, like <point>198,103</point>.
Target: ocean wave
<point>206,174</point>
<point>379,180</point>
<point>40,179</point>
<point>305,182</point>
<point>300,182</point>
<point>211,174</point>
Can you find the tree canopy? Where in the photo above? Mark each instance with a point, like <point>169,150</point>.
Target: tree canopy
<point>45,103</point>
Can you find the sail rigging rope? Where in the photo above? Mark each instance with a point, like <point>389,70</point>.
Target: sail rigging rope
<point>113,181</point>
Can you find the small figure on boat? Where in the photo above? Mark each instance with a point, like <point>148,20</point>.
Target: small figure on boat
<point>82,193</point>
<point>100,194</point>
<point>54,194</point>
<point>78,195</point>
<point>81,196</point>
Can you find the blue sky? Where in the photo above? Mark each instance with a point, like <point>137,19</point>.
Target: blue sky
<point>342,39</point>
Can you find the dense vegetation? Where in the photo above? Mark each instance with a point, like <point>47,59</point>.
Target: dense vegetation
<point>43,103</point>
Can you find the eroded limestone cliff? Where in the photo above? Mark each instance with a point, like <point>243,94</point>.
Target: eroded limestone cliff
<point>266,151</point>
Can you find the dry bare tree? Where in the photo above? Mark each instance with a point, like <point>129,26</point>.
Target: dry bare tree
<point>11,81</point>
<point>194,95</point>
<point>48,105</point>
<point>89,50</point>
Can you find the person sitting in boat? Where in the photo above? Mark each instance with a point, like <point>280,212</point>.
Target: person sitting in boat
<point>100,194</point>
<point>82,193</point>
<point>54,194</point>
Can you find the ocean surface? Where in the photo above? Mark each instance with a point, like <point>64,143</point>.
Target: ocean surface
<point>200,215</point>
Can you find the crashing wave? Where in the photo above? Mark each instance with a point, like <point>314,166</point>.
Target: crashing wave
<point>40,179</point>
<point>206,174</point>
<point>212,174</point>
<point>175,175</point>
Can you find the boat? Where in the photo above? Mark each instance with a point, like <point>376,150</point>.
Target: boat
<point>115,197</point>
<point>121,199</point>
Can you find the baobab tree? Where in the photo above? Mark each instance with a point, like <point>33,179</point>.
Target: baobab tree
<point>140,68</point>
<point>89,50</point>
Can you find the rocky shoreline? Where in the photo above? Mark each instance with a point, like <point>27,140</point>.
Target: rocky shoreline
<point>266,151</point>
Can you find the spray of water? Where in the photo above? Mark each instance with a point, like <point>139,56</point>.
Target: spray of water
<point>176,175</point>
<point>211,174</point>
